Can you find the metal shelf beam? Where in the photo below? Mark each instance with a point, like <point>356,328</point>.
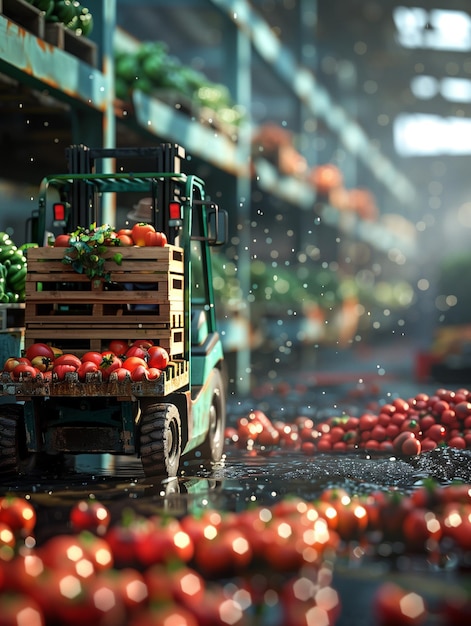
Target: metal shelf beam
<point>41,65</point>
<point>302,82</point>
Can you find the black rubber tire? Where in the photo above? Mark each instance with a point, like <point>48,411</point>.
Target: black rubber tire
<point>212,448</point>
<point>160,439</point>
<point>14,457</point>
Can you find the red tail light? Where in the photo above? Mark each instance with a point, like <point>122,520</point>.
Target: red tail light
<point>175,211</point>
<point>59,211</point>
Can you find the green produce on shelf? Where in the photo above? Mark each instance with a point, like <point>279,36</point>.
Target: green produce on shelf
<point>154,71</point>
<point>43,5</point>
<point>13,270</point>
<point>71,13</point>
<point>65,11</point>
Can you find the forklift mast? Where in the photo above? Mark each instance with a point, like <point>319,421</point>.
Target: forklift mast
<point>165,159</point>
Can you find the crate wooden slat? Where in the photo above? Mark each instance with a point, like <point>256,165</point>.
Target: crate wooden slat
<point>143,300</point>
<point>163,315</point>
<point>81,340</point>
<point>157,259</point>
<point>25,15</point>
<point>164,287</point>
<point>54,34</point>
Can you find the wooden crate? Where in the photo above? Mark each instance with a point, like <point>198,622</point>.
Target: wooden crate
<point>25,15</point>
<point>81,47</point>
<point>62,37</point>
<point>144,299</point>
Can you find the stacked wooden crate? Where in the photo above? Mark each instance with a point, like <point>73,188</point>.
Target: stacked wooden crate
<point>143,299</point>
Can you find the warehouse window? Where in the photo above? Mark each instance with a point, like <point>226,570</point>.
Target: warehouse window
<point>428,135</point>
<point>437,29</point>
<point>451,89</point>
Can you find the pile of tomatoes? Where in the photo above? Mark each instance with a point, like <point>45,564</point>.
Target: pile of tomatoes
<point>141,234</point>
<point>264,566</point>
<point>402,427</point>
<point>138,360</point>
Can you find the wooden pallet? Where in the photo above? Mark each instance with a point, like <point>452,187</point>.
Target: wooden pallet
<point>174,377</point>
<point>144,299</point>
<point>25,15</point>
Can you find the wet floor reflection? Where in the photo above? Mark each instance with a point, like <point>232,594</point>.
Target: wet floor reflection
<point>244,478</point>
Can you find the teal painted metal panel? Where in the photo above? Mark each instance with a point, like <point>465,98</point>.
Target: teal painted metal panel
<point>35,62</point>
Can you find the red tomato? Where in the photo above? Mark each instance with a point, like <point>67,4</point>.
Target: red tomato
<point>17,513</point>
<point>125,231</point>
<point>367,421</point>
<point>158,357</point>
<point>136,351</point>
<point>163,541</point>
<point>10,364</point>
<point>39,349</point>
<point>131,362</point>
<point>153,373</point>
<point>138,373</point>
<point>399,440</point>
<point>90,515</point>
<point>168,613</point>
<point>42,363</point>
<point>143,343</point>
<point>411,425</point>
<point>16,606</point>
<point>62,241</point>
<point>427,444</point>
<point>119,374</point>
<point>378,432</point>
<point>94,357</point>
<point>226,552</point>
<point>130,586</point>
<point>125,240</point>
<point>23,370</point>
<point>456,524</point>
<point>401,405</point>
<point>109,363</point>
<point>394,606</point>
<point>119,347</point>
<point>421,525</point>
<point>437,432</point>
<point>60,371</point>
<point>96,549</point>
<point>463,409</point>
<point>123,539</point>
<point>182,584</point>
<point>155,239</point>
<point>411,447</point>
<point>457,442</point>
<point>68,359</point>
<point>61,550</point>
<point>139,232</point>
<point>87,367</point>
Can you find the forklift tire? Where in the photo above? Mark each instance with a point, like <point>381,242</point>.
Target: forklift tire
<point>160,439</point>
<point>210,451</point>
<point>14,456</point>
